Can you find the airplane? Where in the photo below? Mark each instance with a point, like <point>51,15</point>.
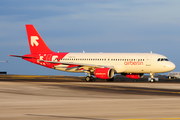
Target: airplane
<point>173,75</point>
<point>99,65</point>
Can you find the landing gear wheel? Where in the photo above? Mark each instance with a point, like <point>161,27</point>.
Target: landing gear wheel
<point>89,78</point>
<point>92,79</point>
<point>152,80</point>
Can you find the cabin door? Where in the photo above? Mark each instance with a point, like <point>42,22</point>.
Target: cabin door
<point>148,60</point>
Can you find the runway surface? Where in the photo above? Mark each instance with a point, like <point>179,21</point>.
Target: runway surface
<point>27,100</point>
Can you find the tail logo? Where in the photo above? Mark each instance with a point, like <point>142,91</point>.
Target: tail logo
<point>34,40</point>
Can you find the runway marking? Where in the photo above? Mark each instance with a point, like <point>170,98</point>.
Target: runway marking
<point>153,119</point>
<point>176,92</point>
<point>135,119</point>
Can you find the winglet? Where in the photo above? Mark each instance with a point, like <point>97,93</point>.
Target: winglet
<point>36,43</point>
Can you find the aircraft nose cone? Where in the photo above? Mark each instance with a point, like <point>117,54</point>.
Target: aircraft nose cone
<point>171,66</point>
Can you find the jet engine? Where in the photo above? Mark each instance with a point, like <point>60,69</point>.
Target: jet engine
<point>104,73</point>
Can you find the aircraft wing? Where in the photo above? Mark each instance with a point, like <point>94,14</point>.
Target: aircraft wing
<point>78,64</point>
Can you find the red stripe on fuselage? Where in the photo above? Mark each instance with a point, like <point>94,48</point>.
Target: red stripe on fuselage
<point>71,66</point>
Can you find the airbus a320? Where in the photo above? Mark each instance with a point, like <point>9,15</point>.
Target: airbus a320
<point>99,65</point>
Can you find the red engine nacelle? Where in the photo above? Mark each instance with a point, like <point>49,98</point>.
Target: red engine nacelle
<point>104,73</point>
<point>134,75</point>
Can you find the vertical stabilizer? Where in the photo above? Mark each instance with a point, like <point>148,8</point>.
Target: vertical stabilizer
<point>36,43</point>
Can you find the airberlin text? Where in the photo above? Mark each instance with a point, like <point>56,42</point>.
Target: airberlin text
<point>100,73</point>
<point>133,63</point>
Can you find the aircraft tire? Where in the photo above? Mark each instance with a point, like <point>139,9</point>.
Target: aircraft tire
<point>89,79</point>
<point>92,79</point>
<point>152,80</point>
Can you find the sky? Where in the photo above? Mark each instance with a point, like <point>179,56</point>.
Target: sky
<point>136,26</point>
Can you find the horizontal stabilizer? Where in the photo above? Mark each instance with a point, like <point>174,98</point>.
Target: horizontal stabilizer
<point>21,56</point>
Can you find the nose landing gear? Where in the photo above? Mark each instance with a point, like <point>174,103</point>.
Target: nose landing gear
<point>152,77</point>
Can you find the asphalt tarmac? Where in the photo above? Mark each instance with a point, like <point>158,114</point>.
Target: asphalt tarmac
<point>63,100</point>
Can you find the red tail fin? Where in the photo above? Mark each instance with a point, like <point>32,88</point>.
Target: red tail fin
<point>36,43</point>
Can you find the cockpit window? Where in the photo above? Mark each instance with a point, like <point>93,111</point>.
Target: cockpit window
<point>162,59</point>
<point>165,59</point>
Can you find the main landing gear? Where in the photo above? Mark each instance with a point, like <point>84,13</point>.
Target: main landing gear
<point>89,78</point>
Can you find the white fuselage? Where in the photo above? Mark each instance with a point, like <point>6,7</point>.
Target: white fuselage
<point>120,62</point>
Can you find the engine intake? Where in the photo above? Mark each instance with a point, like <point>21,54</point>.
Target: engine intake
<point>104,73</point>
